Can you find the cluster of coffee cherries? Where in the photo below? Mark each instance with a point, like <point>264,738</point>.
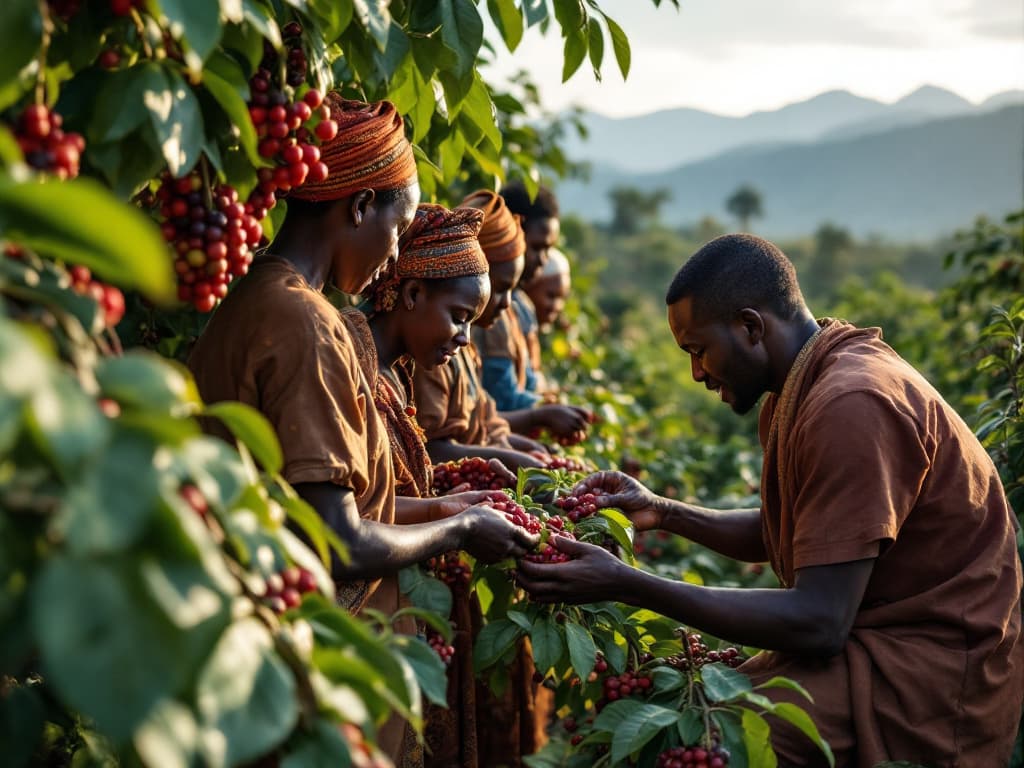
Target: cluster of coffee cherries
<point>629,683</point>
<point>286,128</point>
<point>284,590</point>
<point>700,655</point>
<point>515,513</point>
<point>694,757</point>
<point>213,236</point>
<point>109,297</point>
<point>578,507</point>
<point>548,552</point>
<point>436,641</point>
<point>568,463</point>
<point>450,568</point>
<point>475,471</point>
<point>45,145</point>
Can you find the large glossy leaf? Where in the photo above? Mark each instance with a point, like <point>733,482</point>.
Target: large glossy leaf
<point>547,642</point>
<point>639,728</point>
<point>462,32</point>
<point>722,683</point>
<point>430,670</point>
<point>92,620</point>
<point>251,427</point>
<point>573,53</point>
<point>493,642</point>
<point>143,380</point>
<point>757,739</point>
<point>425,591</point>
<point>235,108</point>
<point>620,46</point>
<point>582,651</point>
<point>245,696</point>
<point>177,121</point>
<point>796,716</point>
<point>120,106</point>
<point>79,221</point>
<point>66,424</point>
<point>21,34</point>
<point>375,18</point>
<point>509,21</point>
<point>198,21</point>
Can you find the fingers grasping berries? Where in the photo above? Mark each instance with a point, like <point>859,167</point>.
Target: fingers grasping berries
<point>515,513</point>
<point>548,552</point>
<point>475,471</point>
<point>45,145</point>
<point>578,507</point>
<point>284,590</point>
<point>441,647</point>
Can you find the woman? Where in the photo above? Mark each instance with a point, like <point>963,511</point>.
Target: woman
<point>278,345</point>
<point>457,414</point>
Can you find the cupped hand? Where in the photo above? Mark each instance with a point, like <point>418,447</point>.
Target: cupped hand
<point>457,500</point>
<point>490,536</point>
<point>592,576</point>
<point>616,489</point>
<point>564,420</point>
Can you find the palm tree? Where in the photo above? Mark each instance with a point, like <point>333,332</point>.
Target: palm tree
<point>745,204</point>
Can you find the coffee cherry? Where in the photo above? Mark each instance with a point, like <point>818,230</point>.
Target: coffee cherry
<point>45,146</point>
<point>475,471</point>
<point>441,648</point>
<point>284,590</point>
<point>450,568</point>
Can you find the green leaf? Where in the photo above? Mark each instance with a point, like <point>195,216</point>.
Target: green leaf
<point>245,695</point>
<point>21,33</point>
<point>334,15</point>
<point>325,747</point>
<point>375,18</point>
<point>91,620</point>
<point>796,716</point>
<point>198,21</point>
<point>235,108</point>
<point>477,106</point>
<point>521,619</point>
<point>67,424</point>
<point>595,46</point>
<point>574,52</point>
<point>570,16</point>
<point>690,726</point>
<point>120,105</point>
<point>425,591</point>
<point>722,683</point>
<point>757,738</point>
<point>462,32</point>
<point>509,21</point>
<point>787,683</point>
<point>621,529</point>
<point>494,640</point>
<point>177,121</point>
<point>582,651</point>
<point>169,737</point>
<point>431,674</point>
<point>250,427</point>
<point>143,380</point>
<point>666,679</point>
<point>620,45</point>
<point>22,716</point>
<point>536,11</point>
<point>641,727</point>
<point>80,222</point>
<point>616,713</point>
<point>110,510</point>
<point>547,642</point>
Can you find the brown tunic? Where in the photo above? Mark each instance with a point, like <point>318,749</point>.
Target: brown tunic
<point>864,459</point>
<point>278,345</point>
<point>505,339</point>
<point>451,403</point>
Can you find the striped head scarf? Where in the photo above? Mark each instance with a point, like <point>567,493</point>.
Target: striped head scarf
<point>439,244</point>
<point>502,234</point>
<point>369,152</point>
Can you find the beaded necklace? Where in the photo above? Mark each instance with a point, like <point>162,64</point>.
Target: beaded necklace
<point>392,395</point>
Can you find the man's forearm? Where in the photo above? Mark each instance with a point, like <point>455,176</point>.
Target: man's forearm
<point>449,450</point>
<point>735,533</point>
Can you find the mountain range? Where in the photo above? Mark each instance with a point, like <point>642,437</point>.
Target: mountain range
<point>916,168</point>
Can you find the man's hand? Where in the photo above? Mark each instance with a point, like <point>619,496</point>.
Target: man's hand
<point>568,421</point>
<point>491,537</point>
<point>615,489</point>
<point>591,577</point>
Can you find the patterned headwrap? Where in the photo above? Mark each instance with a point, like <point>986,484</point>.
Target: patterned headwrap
<point>369,152</point>
<point>502,235</point>
<point>438,244</point>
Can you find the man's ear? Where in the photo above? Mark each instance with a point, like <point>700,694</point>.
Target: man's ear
<point>754,324</point>
<point>411,292</point>
<point>360,202</point>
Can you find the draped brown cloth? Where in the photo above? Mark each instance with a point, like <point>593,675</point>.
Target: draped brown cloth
<point>278,345</point>
<point>863,459</point>
<point>451,403</point>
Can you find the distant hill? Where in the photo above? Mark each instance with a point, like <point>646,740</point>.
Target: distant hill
<point>676,136</point>
<point>913,181</point>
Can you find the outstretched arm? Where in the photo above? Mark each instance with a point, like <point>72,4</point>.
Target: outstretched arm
<point>449,450</point>
<point>814,616</point>
<point>377,549</point>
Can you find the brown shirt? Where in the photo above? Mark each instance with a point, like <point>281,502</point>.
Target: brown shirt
<point>278,345</point>
<point>868,461</point>
<point>451,403</point>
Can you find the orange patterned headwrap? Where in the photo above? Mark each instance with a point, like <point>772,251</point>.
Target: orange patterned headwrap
<point>439,244</point>
<point>369,152</point>
<point>502,235</point>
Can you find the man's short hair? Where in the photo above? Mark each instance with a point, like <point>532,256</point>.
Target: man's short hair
<point>734,272</point>
<point>544,206</point>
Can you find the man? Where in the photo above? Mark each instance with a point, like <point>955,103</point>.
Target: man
<point>881,514</point>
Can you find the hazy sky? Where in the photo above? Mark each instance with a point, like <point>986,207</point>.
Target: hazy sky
<point>738,56</point>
